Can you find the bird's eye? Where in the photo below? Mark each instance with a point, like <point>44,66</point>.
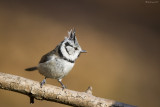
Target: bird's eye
<point>76,48</point>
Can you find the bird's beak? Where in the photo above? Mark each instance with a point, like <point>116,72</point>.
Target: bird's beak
<point>83,51</point>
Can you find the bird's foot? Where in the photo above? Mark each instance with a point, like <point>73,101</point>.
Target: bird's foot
<point>63,87</point>
<point>42,83</point>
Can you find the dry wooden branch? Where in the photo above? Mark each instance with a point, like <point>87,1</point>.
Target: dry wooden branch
<point>56,94</point>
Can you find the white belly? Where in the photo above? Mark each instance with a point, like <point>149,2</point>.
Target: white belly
<point>55,68</point>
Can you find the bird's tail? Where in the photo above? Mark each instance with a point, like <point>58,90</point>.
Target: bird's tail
<point>31,69</point>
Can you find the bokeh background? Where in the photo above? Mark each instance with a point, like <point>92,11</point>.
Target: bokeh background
<point>122,39</point>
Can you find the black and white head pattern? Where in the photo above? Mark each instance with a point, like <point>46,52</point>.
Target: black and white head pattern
<point>69,49</point>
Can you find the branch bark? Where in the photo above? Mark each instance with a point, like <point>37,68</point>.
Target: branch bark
<point>56,94</point>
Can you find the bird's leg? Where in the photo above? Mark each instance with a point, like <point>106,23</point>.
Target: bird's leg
<point>43,82</point>
<point>63,86</point>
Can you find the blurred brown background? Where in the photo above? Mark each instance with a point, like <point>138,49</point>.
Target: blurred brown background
<point>122,39</point>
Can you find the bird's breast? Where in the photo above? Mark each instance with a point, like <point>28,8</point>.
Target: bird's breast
<point>55,68</point>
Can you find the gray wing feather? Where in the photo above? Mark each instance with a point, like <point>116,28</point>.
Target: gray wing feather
<point>47,57</point>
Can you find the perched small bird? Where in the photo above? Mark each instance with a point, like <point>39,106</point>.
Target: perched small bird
<point>58,63</point>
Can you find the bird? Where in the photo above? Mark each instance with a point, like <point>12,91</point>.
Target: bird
<point>57,63</point>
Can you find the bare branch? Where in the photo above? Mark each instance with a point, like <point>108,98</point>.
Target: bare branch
<point>56,94</point>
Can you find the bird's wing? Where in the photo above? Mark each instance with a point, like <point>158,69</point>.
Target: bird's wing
<point>47,56</point>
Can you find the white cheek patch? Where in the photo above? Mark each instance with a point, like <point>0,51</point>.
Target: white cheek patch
<point>70,50</point>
